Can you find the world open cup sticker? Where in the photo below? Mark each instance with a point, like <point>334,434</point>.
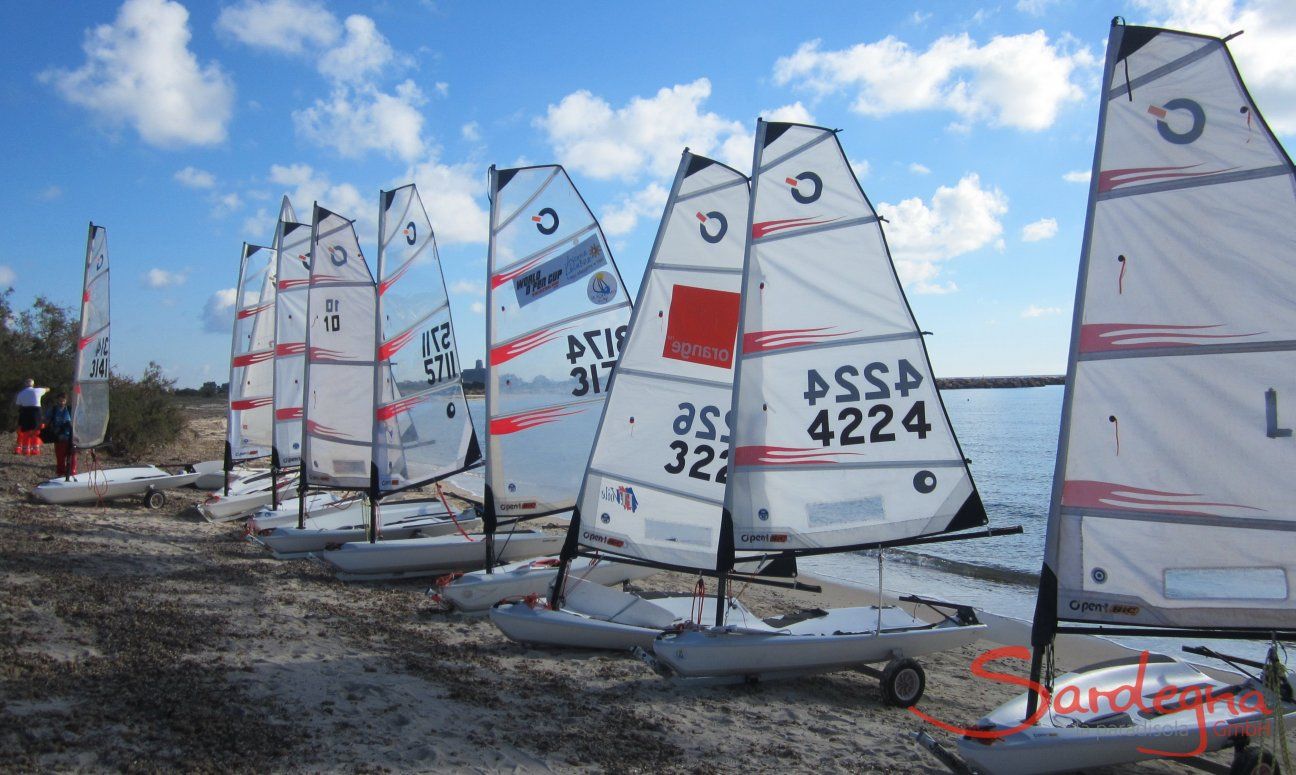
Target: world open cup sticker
<point>701,326</point>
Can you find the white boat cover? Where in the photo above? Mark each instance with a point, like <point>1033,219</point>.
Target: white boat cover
<point>90,373</point>
<point>251,384</point>
<point>840,436</point>
<point>1172,498</point>
<point>341,337</point>
<point>656,478</point>
<point>292,251</point>
<point>423,428</point>
<point>556,317</point>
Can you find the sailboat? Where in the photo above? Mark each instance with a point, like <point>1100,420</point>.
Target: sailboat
<point>839,440</point>
<point>90,378</point>
<point>1171,507</point>
<point>556,314</point>
<point>249,417</point>
<point>422,427</point>
<point>655,480</point>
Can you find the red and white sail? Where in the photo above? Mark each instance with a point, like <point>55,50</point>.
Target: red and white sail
<point>423,430</point>
<point>1173,491</point>
<point>91,370</point>
<point>250,419</point>
<point>840,436</point>
<point>656,479</point>
<point>556,318</point>
<point>292,276</point>
<point>341,342</point>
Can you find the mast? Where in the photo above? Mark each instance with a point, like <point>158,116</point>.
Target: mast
<point>375,492</point>
<point>489,517</point>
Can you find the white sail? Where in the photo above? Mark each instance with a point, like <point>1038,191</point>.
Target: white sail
<point>656,479</point>
<point>90,373</point>
<point>424,431</point>
<point>250,420</point>
<point>1172,496</point>
<point>556,316</point>
<point>292,251</point>
<point>341,341</point>
<point>840,436</point>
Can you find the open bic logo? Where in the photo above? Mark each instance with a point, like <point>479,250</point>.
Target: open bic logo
<point>1189,116</point>
<point>702,325</point>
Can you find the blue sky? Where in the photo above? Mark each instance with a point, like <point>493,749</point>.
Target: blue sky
<point>178,125</point>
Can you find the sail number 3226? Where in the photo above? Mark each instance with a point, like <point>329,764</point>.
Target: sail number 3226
<point>699,423</point>
<point>875,382</point>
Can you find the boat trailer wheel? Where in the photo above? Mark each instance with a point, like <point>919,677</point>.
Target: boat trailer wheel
<point>1251,760</point>
<point>155,499</point>
<point>903,681</point>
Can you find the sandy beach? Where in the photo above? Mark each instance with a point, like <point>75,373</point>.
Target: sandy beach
<point>137,640</point>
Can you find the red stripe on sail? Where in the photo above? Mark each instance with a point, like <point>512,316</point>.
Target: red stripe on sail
<point>247,359</point>
<point>325,355</point>
<point>526,420</point>
<point>389,348</point>
<point>763,341</point>
<point>1105,337</point>
<point>290,413</point>
<point>769,227</point>
<point>390,281</point>
<point>1109,179</point>
<point>250,403</point>
<point>507,352</point>
<point>783,456</point>
<point>325,432</point>
<point>293,283</point>
<point>289,349</point>
<point>505,277</point>
<point>243,314</point>
<point>1088,494</point>
<point>385,413</point>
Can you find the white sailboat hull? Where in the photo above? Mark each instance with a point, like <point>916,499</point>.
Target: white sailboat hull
<point>599,626</point>
<point>211,474</point>
<point>1062,742</point>
<point>236,505</point>
<point>109,484</point>
<point>479,590</point>
<point>344,513</point>
<point>414,557</point>
<point>289,543</point>
<point>841,638</point>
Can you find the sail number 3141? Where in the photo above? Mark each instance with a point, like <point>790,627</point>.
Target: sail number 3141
<point>850,385</point>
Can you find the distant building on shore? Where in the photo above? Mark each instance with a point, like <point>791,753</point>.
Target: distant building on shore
<point>474,380</point>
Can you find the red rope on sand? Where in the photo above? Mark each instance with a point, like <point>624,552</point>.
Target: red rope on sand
<point>101,488</point>
<point>450,511</point>
<point>699,601</point>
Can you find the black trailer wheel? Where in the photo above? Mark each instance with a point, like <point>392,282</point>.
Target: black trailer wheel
<point>155,499</point>
<point>1254,761</point>
<point>903,682</point>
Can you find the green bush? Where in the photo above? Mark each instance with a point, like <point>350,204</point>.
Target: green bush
<point>143,414</point>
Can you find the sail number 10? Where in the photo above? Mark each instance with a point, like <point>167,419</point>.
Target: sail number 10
<point>600,344</point>
<point>872,383</point>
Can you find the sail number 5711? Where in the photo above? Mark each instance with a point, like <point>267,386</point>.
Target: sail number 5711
<point>874,382</point>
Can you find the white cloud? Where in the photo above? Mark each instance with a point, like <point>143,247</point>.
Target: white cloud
<point>161,278</point>
<point>452,194</point>
<point>1034,7</point>
<point>960,219</point>
<point>471,131</point>
<point>284,26</point>
<point>49,193</point>
<point>795,113</point>
<point>259,224</point>
<point>1263,54</point>
<point>919,169</point>
<point>139,71</point>
<point>478,308</point>
<point>1044,228</point>
<point>1076,176</point>
<point>621,218</point>
<point>195,178</point>
<point>355,120</point>
<point>1019,81</point>
<point>363,53</point>
<point>218,312</point>
<point>224,204</point>
<point>645,136</point>
<point>469,288</point>
<point>860,167</point>
<point>306,186</point>
<point>7,276</point>
<point>1036,311</point>
<point>442,88</point>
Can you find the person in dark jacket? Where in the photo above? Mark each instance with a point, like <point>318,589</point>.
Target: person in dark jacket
<point>60,425</point>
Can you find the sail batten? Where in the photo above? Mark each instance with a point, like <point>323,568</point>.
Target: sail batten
<point>92,365</point>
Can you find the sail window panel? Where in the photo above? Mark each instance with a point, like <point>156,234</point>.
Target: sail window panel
<point>339,424</point>
<point>1186,434</point>
<point>858,297</point>
<point>537,457</point>
<point>1188,124</point>
<point>561,363</point>
<point>1165,48</point>
<point>1143,572</point>
<point>772,509</point>
<point>671,434</point>
<point>422,436</point>
<point>687,325</point>
<point>424,356</point>
<point>633,519</point>
<point>1223,278</point>
<point>90,415</point>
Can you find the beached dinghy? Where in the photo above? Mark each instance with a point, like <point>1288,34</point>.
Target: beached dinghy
<point>479,590</point>
<point>1161,525</point>
<point>840,441</point>
<point>389,348</point>
<point>249,495</point>
<point>212,474</point>
<point>654,484</point>
<point>108,484</point>
<point>329,527</point>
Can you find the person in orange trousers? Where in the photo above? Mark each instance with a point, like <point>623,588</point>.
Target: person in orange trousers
<point>29,418</point>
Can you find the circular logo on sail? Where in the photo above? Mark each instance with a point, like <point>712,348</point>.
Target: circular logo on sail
<point>1194,111</point>
<point>1099,575</point>
<point>601,287</point>
<point>605,518</point>
<point>924,482</point>
<point>450,410</point>
<point>338,255</point>
<point>99,262</point>
<point>411,233</point>
<point>540,218</point>
<point>721,226</point>
<point>805,194</point>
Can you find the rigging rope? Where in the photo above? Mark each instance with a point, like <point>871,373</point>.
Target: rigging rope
<point>99,483</point>
<point>450,511</point>
<point>1275,676</point>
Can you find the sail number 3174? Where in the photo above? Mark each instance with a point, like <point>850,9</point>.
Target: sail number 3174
<point>878,382</point>
<point>600,344</point>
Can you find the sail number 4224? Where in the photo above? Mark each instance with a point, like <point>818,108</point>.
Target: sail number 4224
<point>850,385</point>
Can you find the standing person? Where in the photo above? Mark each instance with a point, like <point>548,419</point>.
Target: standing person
<point>29,418</point>
<point>60,425</point>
